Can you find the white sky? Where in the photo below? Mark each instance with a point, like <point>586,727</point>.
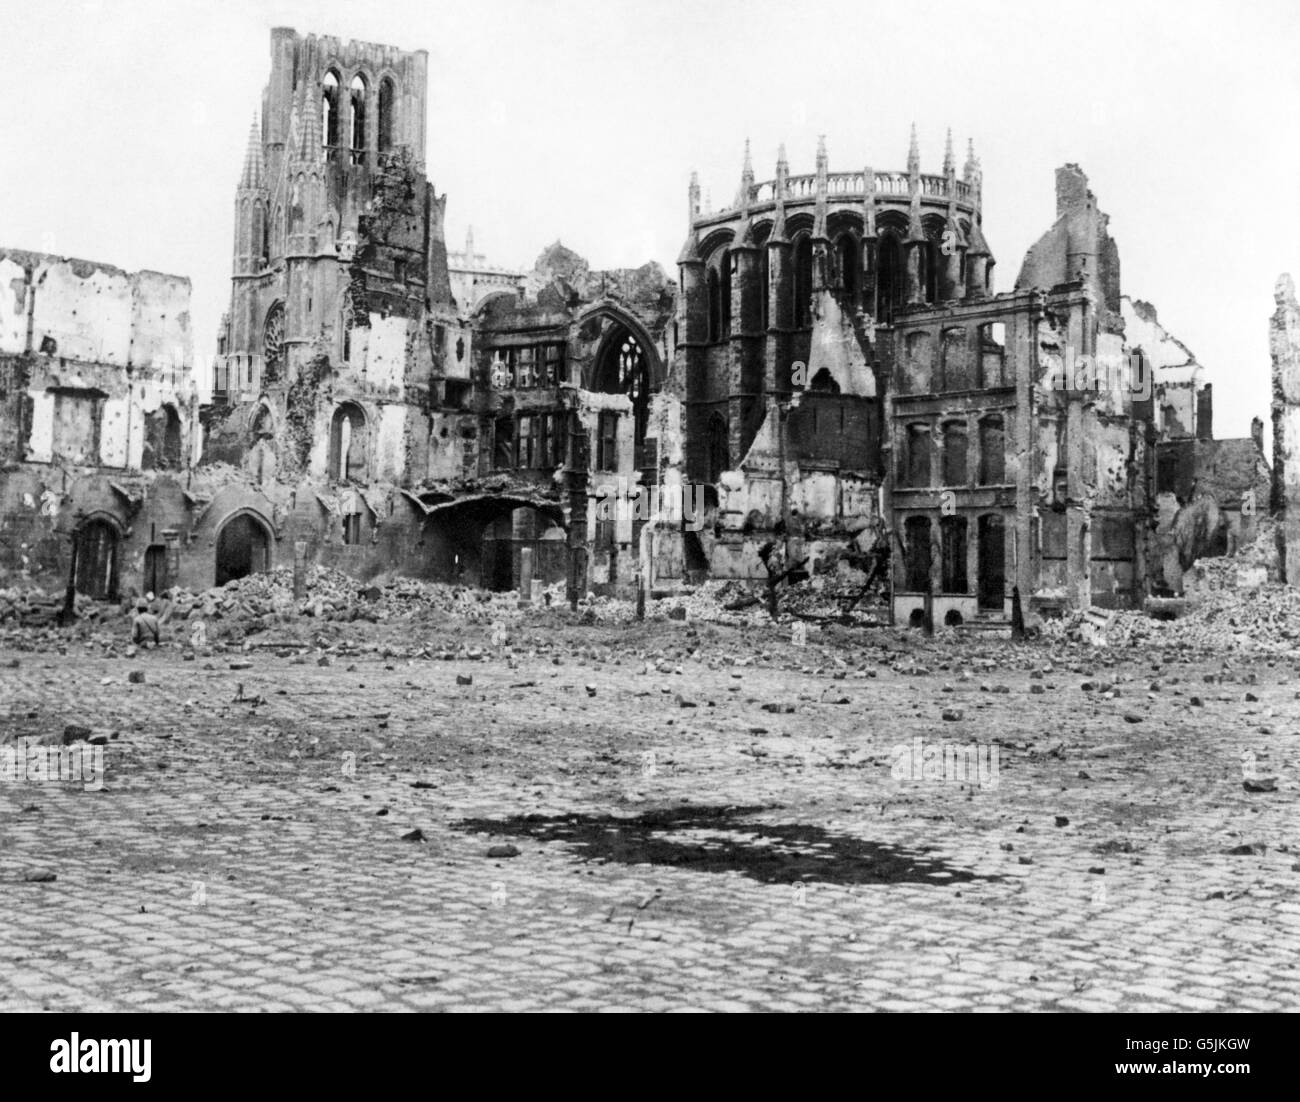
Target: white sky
<point>127,120</point>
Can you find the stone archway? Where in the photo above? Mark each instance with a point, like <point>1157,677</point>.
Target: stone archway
<point>243,547</point>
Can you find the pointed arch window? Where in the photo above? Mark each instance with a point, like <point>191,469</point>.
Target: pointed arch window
<point>724,293</point>
<point>719,449</point>
<point>802,281</point>
<point>330,109</point>
<point>273,344</point>
<point>715,304</point>
<point>626,370</point>
<point>357,99</point>
<point>387,94</point>
<point>846,249</point>
<point>889,278</point>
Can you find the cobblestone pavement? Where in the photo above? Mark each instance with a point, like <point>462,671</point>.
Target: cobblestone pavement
<point>679,845</point>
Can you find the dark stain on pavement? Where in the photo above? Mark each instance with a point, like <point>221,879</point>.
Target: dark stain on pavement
<point>721,839</point>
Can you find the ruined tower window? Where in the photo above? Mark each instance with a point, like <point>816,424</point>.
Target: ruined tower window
<point>330,109</point>
<point>993,454</point>
<point>399,271</point>
<point>351,528</point>
<point>917,559</point>
<point>554,439</point>
<point>765,287</point>
<point>952,565</point>
<point>348,444</point>
<point>802,281</point>
<point>889,279</point>
<point>386,94</point>
<point>916,455</point>
<point>715,304</point>
<point>954,453</point>
<point>607,442</point>
<point>719,447</point>
<point>273,344</point>
<point>847,253</point>
<point>357,98</point>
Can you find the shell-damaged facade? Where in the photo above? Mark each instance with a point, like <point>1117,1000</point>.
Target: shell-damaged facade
<point>830,370</point>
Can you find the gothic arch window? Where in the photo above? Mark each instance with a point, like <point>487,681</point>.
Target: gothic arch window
<point>273,344</point>
<point>387,94</point>
<point>262,235</point>
<point>765,285</point>
<point>330,108</point>
<point>846,249</point>
<point>348,444</point>
<point>719,453</point>
<point>889,278</point>
<point>711,284</point>
<point>724,292</point>
<point>626,370</point>
<point>357,100</point>
<point>802,281</point>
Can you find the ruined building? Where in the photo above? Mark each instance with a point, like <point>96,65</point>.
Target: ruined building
<point>831,369</point>
<point>844,362</point>
<point>98,424</point>
<point>385,408</point>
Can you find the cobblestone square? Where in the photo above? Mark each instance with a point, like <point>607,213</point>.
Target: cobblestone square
<point>656,816</point>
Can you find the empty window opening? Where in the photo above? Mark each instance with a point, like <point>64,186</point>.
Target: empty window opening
<point>954,453</point>
<point>607,442</point>
<point>348,444</point>
<point>993,455</point>
<point>916,455</point>
<point>889,279</point>
<point>952,531</point>
<point>802,281</point>
<point>847,249</point>
<point>357,98</point>
<point>330,109</point>
<point>386,95</point>
<point>917,559</point>
<point>992,561</point>
<point>625,369</point>
<point>993,345</point>
<point>503,450</point>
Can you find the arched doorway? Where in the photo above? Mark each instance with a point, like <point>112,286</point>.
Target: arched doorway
<point>625,369</point>
<point>243,548</point>
<point>95,560</point>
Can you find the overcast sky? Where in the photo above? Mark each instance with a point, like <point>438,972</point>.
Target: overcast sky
<point>581,120</point>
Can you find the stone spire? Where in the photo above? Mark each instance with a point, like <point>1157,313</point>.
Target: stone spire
<point>782,176</point>
<point>972,162</point>
<point>693,199</point>
<point>913,155</point>
<point>949,164</point>
<point>746,180</point>
<point>469,245</point>
<point>254,168</point>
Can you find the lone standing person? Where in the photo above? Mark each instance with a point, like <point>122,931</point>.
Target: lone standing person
<point>144,625</point>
